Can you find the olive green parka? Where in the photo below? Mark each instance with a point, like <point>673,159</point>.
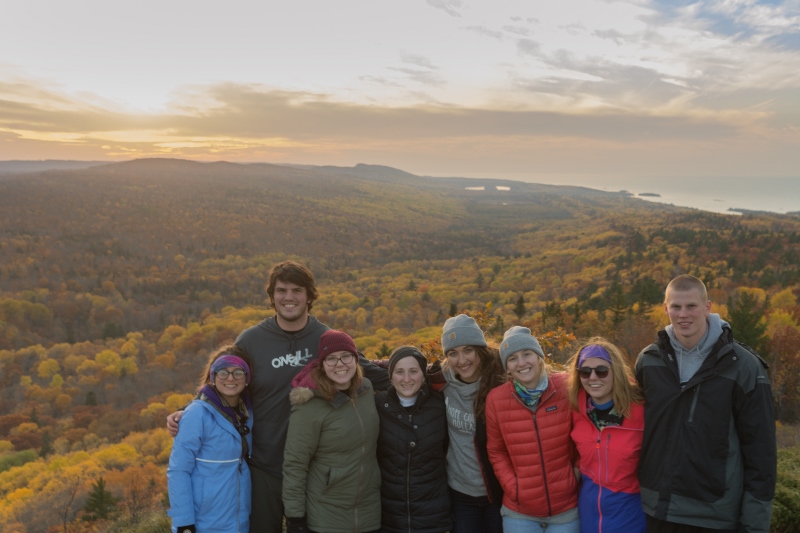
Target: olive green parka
<point>330,470</point>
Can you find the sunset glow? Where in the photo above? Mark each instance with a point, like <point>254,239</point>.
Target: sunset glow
<point>443,87</point>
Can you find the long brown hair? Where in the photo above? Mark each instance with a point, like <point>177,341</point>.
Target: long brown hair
<point>491,374</point>
<point>625,391</point>
<point>328,388</point>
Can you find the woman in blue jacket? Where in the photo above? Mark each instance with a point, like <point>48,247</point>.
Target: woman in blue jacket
<point>208,477</point>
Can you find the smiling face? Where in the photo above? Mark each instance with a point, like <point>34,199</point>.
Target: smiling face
<point>230,388</point>
<point>291,305</point>
<point>340,373</point>
<point>465,363</point>
<point>407,377</point>
<point>600,389</point>
<point>687,311</point>
<point>525,367</point>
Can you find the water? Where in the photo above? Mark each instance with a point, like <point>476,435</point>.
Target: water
<point>777,195</point>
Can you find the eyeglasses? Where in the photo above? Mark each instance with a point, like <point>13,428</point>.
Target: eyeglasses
<point>237,374</point>
<point>600,371</point>
<point>345,359</point>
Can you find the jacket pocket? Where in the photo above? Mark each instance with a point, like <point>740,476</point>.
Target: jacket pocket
<point>700,470</point>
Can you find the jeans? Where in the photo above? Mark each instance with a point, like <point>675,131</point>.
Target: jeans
<point>522,525</point>
<point>475,514</point>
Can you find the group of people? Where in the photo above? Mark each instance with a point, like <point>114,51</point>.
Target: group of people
<point>292,426</point>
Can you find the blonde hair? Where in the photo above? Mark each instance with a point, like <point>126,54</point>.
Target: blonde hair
<point>327,388</point>
<point>624,390</point>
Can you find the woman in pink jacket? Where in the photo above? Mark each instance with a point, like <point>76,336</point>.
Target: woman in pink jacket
<point>608,423</point>
<point>528,421</point>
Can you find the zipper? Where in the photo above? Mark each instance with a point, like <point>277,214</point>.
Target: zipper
<point>544,472</point>
<point>599,478</point>
<point>360,464</point>
<point>694,402</point>
<point>239,498</point>
<point>408,477</point>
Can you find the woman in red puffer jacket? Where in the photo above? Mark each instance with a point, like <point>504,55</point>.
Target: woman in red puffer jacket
<point>529,420</point>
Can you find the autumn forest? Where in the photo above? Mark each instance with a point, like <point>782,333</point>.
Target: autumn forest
<point>116,281</point>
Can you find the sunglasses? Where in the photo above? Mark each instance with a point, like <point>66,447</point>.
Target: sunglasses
<point>599,371</point>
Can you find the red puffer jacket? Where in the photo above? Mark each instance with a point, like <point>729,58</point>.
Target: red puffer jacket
<point>531,452</point>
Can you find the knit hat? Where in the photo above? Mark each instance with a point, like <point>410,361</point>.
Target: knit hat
<point>461,330</point>
<point>407,351</point>
<point>518,338</point>
<point>335,341</point>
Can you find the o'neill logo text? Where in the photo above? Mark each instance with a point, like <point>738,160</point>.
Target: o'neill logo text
<point>295,359</point>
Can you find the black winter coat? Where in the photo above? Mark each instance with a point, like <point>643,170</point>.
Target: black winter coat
<point>708,456</point>
<point>412,450</point>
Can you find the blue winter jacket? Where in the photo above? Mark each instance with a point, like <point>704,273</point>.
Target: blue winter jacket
<point>209,481</point>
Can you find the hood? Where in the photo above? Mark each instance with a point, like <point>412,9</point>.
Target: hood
<point>301,395</point>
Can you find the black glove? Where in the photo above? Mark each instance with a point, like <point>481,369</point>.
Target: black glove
<point>297,525</point>
<point>187,529</point>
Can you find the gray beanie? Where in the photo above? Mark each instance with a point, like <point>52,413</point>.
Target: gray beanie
<point>461,330</point>
<point>518,338</point>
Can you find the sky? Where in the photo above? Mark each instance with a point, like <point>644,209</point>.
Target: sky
<point>576,89</point>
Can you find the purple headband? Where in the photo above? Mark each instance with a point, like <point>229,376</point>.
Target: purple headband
<point>593,350</point>
<point>224,361</point>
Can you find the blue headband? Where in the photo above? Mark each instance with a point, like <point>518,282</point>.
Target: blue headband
<point>224,361</point>
<point>593,350</point>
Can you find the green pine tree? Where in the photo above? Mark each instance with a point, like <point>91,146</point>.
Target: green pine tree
<point>384,351</point>
<point>519,308</point>
<point>101,504</point>
<point>747,320</point>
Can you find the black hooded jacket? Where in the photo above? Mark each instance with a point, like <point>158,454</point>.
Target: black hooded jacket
<point>708,456</point>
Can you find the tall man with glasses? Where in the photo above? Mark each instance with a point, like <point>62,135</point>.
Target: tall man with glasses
<point>708,460</point>
<point>280,346</point>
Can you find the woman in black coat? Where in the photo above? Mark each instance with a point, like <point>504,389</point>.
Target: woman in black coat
<point>412,449</point>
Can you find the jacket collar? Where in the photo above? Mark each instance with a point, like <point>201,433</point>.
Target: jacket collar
<point>424,393</point>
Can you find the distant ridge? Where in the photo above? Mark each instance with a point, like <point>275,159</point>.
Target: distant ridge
<point>21,166</point>
<point>361,170</point>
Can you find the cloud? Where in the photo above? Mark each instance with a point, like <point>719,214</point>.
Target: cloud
<point>241,111</point>
<point>529,47</point>
<point>482,30</point>
<point>418,60</point>
<point>451,7</point>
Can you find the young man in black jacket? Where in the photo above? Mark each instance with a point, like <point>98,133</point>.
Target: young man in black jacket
<point>708,460</point>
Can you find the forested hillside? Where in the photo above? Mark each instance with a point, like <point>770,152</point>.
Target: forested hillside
<point>117,280</point>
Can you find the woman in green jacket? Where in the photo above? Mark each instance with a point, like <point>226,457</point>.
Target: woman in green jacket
<point>331,479</point>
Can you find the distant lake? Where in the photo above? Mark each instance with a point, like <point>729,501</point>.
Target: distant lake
<point>778,195</point>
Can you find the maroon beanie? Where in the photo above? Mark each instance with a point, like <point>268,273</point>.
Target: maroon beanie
<point>331,341</point>
<point>335,341</point>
